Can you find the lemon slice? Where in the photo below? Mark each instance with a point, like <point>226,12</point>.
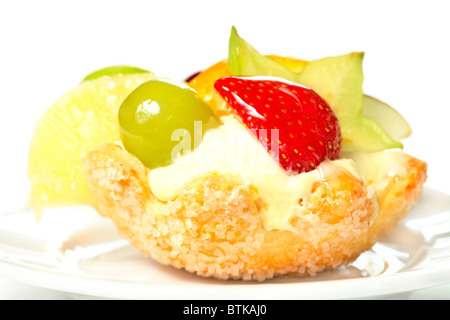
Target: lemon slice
<point>79,121</point>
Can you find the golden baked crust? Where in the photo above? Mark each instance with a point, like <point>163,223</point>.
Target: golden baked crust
<point>213,227</point>
<point>398,195</point>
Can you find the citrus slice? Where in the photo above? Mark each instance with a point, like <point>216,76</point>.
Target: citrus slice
<point>78,122</point>
<point>203,83</point>
<point>114,70</point>
<point>293,64</point>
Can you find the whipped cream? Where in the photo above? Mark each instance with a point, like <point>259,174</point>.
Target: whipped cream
<point>232,149</point>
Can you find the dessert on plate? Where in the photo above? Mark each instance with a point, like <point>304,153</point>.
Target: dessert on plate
<point>258,166</point>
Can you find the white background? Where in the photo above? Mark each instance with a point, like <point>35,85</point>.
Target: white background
<point>47,47</point>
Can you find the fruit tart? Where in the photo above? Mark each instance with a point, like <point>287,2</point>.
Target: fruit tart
<point>256,167</point>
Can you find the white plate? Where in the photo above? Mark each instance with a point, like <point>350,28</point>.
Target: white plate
<point>76,251</point>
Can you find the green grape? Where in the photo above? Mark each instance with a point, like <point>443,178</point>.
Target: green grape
<point>159,116</point>
<point>109,71</point>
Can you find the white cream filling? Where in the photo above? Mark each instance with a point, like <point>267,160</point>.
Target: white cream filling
<point>232,149</point>
<point>378,167</point>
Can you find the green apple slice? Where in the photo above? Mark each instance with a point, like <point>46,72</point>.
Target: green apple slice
<point>387,117</point>
<point>337,79</point>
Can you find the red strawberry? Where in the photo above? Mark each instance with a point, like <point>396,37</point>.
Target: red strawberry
<point>308,130</point>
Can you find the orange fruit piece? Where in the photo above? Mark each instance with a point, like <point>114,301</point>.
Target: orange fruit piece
<point>293,64</point>
<point>203,83</point>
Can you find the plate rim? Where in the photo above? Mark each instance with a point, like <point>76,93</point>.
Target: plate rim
<point>353,288</point>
